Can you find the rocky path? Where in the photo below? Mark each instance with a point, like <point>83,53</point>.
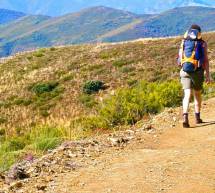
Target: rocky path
<point>164,158</point>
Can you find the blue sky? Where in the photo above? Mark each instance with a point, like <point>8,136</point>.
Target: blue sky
<point>60,7</point>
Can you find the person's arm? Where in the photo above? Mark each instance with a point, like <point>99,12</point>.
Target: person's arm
<point>206,63</point>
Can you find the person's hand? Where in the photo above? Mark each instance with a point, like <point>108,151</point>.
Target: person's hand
<point>208,80</point>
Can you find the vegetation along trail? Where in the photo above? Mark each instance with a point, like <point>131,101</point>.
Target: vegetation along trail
<point>159,158</point>
<point>172,160</point>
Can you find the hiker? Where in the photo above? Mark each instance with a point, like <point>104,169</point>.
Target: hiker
<point>193,59</point>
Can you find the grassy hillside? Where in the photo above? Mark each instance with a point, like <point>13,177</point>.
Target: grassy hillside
<point>117,65</point>
<point>48,94</point>
<point>7,16</point>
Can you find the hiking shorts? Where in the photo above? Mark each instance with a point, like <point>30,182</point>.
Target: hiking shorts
<point>193,80</point>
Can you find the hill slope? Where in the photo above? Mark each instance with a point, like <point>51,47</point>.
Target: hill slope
<point>114,64</point>
<point>8,15</point>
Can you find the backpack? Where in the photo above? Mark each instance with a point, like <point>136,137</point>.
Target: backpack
<point>192,51</point>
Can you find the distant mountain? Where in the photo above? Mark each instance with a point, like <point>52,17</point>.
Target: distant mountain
<point>80,27</point>
<point>8,15</point>
<point>170,23</point>
<point>99,24</point>
<point>11,32</point>
<point>56,8</point>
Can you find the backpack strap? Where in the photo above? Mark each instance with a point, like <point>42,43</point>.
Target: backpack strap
<point>182,46</point>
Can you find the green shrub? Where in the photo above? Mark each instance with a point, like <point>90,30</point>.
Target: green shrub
<point>209,90</point>
<point>93,86</point>
<point>87,124</point>
<point>170,94</point>
<point>46,95</point>
<point>44,138</point>
<point>45,144</point>
<point>9,153</point>
<point>123,108</point>
<point>40,88</point>
<point>38,139</point>
<point>128,106</point>
<point>7,159</point>
<point>46,100</point>
<point>92,122</point>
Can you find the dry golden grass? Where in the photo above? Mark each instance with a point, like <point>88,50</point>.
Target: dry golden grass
<point>117,65</point>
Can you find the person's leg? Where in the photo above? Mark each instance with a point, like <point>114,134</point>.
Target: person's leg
<point>186,102</point>
<point>187,87</point>
<point>197,81</point>
<point>198,103</point>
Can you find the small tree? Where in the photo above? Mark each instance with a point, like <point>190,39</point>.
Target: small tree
<point>93,86</point>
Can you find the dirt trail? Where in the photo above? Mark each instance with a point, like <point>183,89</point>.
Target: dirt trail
<point>176,160</point>
<point>167,159</point>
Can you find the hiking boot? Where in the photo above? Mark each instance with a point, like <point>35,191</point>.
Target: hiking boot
<point>198,119</point>
<point>186,125</point>
<point>186,121</point>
